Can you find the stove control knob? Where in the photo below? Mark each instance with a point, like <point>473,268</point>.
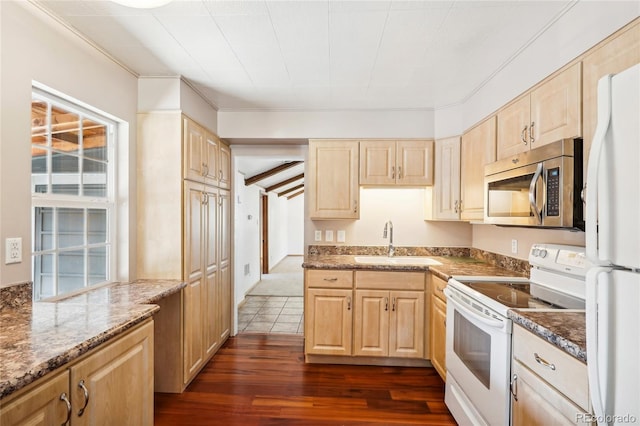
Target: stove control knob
<point>543,253</point>
<point>536,252</point>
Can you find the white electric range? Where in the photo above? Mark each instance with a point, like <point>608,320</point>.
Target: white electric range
<point>478,353</point>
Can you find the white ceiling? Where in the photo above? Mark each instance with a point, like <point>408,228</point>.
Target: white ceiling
<point>317,55</point>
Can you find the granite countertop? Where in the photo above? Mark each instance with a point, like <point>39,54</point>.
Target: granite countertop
<point>451,265</point>
<point>565,329</point>
<point>37,338</point>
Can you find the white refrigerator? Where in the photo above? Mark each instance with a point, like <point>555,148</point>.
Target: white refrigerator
<point>613,247</point>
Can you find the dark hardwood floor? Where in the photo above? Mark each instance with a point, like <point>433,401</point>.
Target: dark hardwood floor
<point>262,379</point>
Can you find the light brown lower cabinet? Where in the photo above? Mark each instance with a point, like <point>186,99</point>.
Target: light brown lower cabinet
<point>328,321</point>
<point>548,386</point>
<point>438,325</point>
<point>110,385</point>
<point>389,323</point>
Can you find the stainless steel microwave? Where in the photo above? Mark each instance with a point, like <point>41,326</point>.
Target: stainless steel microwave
<point>537,188</point>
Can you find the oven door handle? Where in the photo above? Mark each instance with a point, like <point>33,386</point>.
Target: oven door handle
<point>533,203</point>
<point>495,323</point>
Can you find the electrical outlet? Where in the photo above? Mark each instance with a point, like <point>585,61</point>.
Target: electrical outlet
<point>318,236</point>
<point>341,236</point>
<point>514,246</point>
<point>13,250</point>
<point>328,235</point>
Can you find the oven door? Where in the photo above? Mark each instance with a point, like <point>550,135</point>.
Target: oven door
<point>478,357</point>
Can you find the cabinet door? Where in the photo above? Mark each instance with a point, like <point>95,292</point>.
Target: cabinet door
<point>447,186</point>
<point>195,272</point>
<point>224,177</point>
<point>612,56</point>
<point>328,321</point>
<point>478,148</point>
<point>193,230</point>
<point>210,151</point>
<point>371,325</point>
<point>438,324</point>
<point>536,403</point>
<point>210,303</point>
<point>513,128</point>
<point>193,145</point>
<point>556,108</point>
<point>378,163</point>
<point>118,380</point>
<point>42,406</point>
<point>414,162</point>
<point>224,265</point>
<point>333,179</point>
<point>406,324</point>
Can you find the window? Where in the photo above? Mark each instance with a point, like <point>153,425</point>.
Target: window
<point>73,193</point>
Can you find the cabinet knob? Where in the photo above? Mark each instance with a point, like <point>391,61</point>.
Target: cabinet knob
<point>386,303</point>
<point>393,304</point>
<point>348,303</point>
<point>355,206</point>
<point>86,397</point>
<point>513,387</point>
<point>399,172</point>
<point>65,398</point>
<point>393,172</point>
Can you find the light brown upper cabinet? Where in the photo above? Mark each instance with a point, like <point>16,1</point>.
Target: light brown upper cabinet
<point>386,162</point>
<point>478,147</point>
<point>206,159</point>
<point>333,179</point>
<point>549,112</point>
<point>615,54</point>
<point>446,196</point>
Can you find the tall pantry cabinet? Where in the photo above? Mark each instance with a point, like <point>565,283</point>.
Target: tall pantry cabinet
<point>184,231</point>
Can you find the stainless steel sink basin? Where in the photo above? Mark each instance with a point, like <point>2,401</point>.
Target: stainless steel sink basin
<point>396,260</point>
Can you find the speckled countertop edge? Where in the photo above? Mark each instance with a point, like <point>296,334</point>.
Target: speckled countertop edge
<point>37,338</point>
<point>562,328</point>
<point>449,267</point>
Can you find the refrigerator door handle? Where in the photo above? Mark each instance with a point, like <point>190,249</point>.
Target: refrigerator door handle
<point>604,120</point>
<point>597,316</point>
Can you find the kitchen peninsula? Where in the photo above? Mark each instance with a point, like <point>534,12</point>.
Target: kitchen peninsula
<point>55,355</point>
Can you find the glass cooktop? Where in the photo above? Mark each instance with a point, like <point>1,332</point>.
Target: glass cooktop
<point>511,295</point>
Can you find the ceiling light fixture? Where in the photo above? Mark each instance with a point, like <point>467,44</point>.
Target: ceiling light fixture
<point>142,4</point>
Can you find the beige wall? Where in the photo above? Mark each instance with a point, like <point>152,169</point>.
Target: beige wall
<point>36,48</point>
<point>406,209</point>
<point>497,239</point>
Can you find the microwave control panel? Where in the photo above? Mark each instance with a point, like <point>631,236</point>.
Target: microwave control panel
<point>553,192</point>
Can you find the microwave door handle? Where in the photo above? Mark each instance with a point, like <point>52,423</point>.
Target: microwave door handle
<point>533,204</point>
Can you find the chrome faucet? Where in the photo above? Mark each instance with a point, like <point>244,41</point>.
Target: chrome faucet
<point>389,225</point>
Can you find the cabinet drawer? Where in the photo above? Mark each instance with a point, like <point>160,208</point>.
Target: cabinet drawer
<point>437,287</point>
<point>323,278</point>
<point>564,372</point>
<point>376,280</point>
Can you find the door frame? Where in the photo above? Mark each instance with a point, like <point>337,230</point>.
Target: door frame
<point>264,234</point>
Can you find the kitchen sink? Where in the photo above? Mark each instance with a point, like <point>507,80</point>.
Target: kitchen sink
<point>396,260</point>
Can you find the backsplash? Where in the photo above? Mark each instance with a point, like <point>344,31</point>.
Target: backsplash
<point>382,251</point>
<point>16,295</point>
<point>494,259</point>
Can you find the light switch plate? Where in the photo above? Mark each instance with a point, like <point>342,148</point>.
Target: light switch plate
<point>318,236</point>
<point>341,236</point>
<point>328,235</point>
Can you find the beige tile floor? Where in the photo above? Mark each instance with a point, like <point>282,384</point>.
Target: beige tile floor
<point>271,314</point>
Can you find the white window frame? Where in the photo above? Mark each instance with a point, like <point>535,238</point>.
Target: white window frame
<point>79,201</point>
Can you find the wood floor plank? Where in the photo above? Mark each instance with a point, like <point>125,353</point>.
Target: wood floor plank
<point>263,380</point>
